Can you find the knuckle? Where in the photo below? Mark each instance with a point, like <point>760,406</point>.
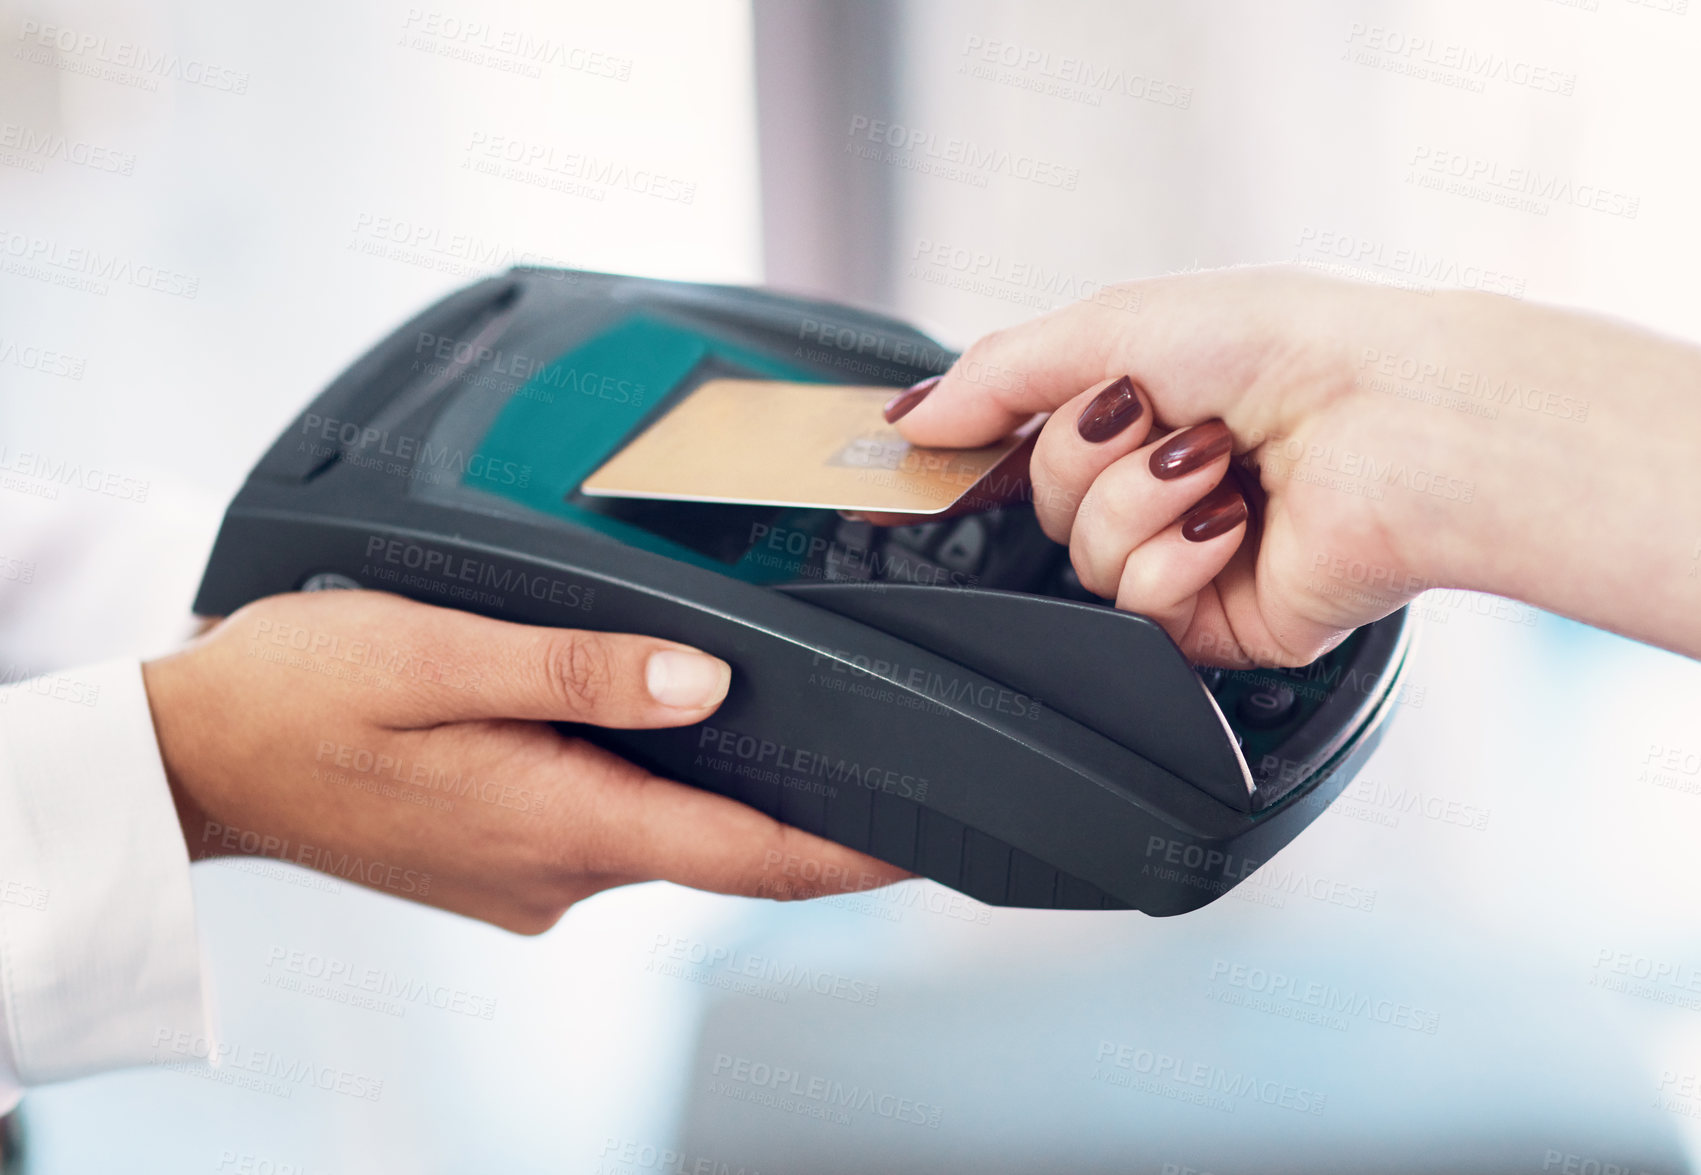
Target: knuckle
<point>987,345</point>
<point>1087,570</point>
<point>581,671</point>
<point>1137,590</point>
<point>1284,656</point>
<point>1053,525</point>
<point>982,363</point>
<point>1121,497</point>
<point>1060,500</point>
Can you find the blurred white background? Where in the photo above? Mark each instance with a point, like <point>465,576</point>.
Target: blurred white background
<point>339,191</point>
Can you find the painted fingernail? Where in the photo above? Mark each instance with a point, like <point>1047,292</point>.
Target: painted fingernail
<point>1190,449</point>
<point>686,681</point>
<point>1111,411</point>
<point>1219,512</point>
<point>905,401</point>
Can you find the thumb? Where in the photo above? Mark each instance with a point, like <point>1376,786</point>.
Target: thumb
<point>461,667</point>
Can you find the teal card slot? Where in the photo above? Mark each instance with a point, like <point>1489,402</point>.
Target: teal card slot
<point>576,411</point>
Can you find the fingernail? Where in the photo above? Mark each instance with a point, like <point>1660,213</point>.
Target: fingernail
<point>1111,411</point>
<point>686,681</point>
<point>1190,449</point>
<point>1219,512</point>
<point>902,403</point>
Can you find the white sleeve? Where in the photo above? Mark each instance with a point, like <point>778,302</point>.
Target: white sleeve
<point>98,953</point>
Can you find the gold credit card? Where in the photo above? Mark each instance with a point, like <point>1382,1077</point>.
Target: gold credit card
<point>763,442</point>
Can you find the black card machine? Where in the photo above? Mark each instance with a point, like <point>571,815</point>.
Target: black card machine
<point>943,696</point>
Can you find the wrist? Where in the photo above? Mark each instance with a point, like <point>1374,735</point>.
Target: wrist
<point>167,704</point>
<point>1576,436</point>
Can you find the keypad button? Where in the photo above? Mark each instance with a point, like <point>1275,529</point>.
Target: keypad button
<point>964,549</point>
<point>847,564</point>
<point>1266,705</point>
<point>1211,675</point>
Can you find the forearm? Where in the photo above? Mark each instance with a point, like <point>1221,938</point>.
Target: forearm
<point>1583,439</point>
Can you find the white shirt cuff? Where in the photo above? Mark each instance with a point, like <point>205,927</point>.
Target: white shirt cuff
<point>98,953</point>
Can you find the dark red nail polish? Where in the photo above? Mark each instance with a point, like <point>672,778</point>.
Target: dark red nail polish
<point>1111,411</point>
<point>1190,449</point>
<point>1219,512</point>
<point>901,404</point>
